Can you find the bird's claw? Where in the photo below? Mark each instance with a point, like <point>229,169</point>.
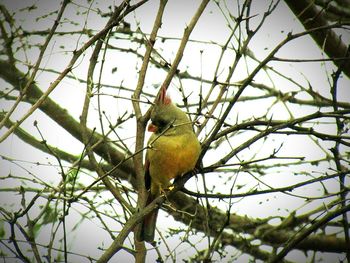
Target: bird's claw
<point>164,191</point>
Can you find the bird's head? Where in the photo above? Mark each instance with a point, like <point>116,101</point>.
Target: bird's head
<point>166,116</point>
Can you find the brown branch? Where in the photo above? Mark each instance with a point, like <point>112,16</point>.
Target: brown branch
<point>335,10</point>
<point>184,40</point>
<point>32,141</point>
<point>303,235</point>
<point>190,212</point>
<point>60,115</point>
<point>311,17</point>
<point>76,55</point>
<point>272,190</point>
<point>83,117</point>
<point>35,70</point>
<point>283,125</point>
<point>185,205</point>
<point>141,121</point>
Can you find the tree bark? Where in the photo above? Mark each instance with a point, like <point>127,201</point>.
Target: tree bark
<point>311,17</point>
<point>188,210</point>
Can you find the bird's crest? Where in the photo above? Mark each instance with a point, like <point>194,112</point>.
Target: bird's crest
<point>163,97</point>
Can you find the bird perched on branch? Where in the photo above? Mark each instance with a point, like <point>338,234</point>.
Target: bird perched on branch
<point>173,151</point>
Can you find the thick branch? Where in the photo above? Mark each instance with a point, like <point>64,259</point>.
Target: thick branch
<point>311,17</point>
<point>12,75</point>
<point>185,205</point>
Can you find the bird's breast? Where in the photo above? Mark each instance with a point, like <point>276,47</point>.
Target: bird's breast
<point>171,156</point>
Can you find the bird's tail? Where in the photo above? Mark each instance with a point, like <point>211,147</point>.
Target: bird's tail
<point>148,226</point>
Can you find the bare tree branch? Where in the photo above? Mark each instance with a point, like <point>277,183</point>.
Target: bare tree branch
<point>311,17</point>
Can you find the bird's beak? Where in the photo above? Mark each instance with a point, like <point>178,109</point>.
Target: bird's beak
<point>152,127</point>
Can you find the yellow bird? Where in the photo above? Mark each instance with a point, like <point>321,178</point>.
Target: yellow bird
<point>173,151</point>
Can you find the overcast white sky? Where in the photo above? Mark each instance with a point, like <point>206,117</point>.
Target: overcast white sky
<point>199,59</point>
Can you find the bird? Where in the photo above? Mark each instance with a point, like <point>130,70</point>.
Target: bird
<point>173,150</point>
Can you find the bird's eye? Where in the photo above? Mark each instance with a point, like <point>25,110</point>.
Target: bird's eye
<point>160,123</point>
